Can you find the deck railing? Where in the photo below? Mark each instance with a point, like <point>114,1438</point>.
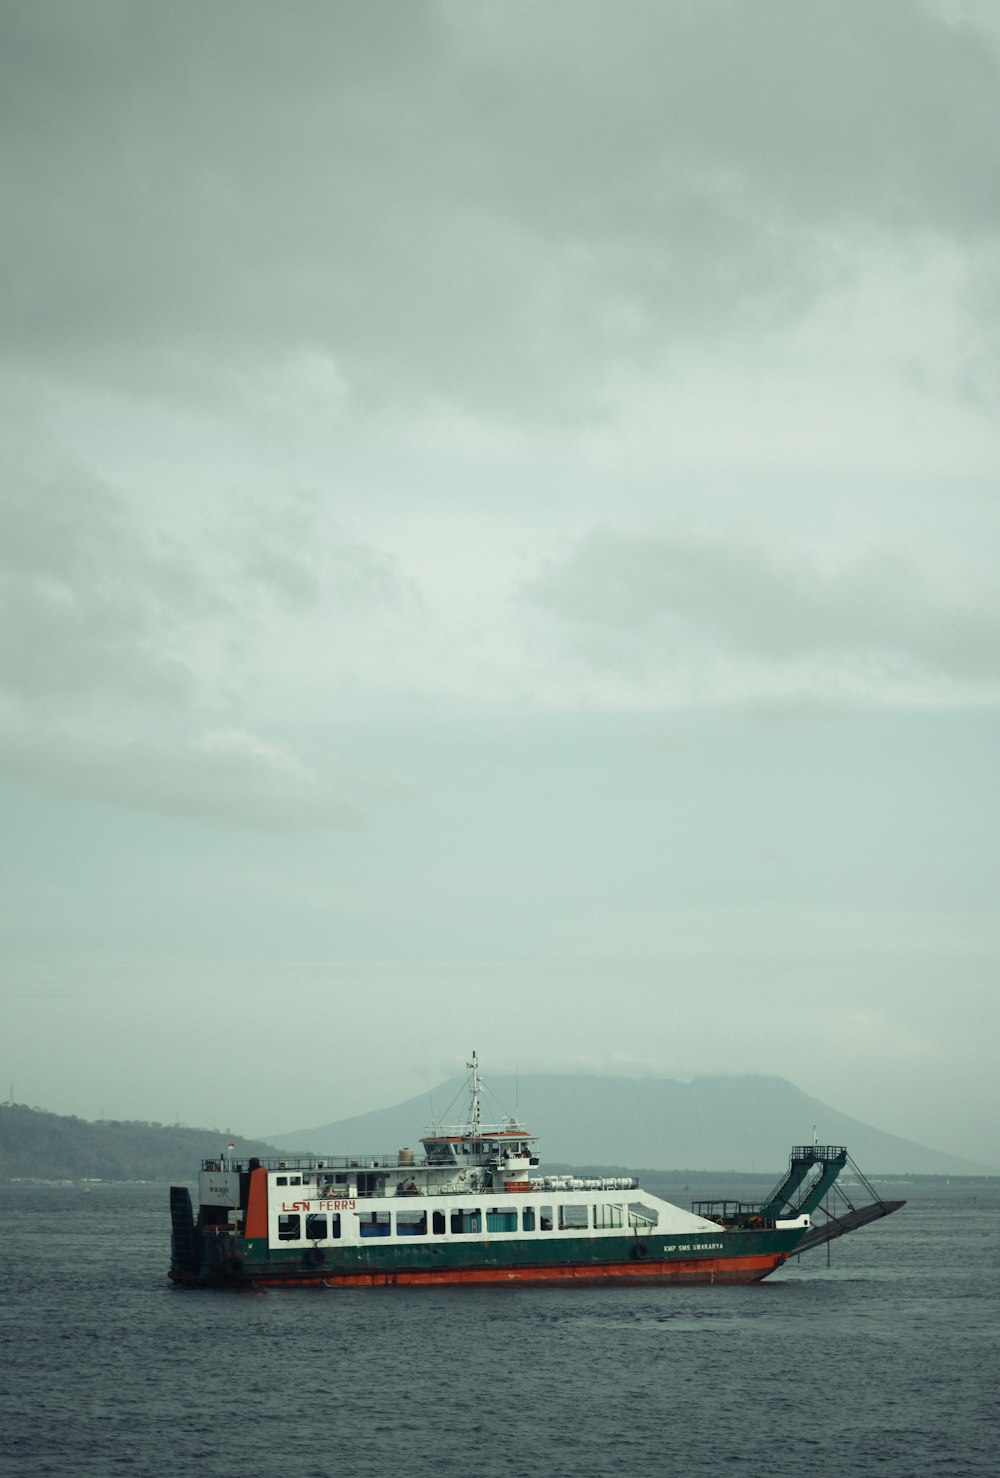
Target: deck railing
<point>390,1160</point>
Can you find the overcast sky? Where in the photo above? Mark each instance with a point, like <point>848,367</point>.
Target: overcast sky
<point>499,536</point>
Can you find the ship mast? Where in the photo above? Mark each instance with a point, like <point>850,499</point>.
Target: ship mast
<point>473,1067</point>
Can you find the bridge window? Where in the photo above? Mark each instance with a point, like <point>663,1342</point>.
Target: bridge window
<point>289,1227</point>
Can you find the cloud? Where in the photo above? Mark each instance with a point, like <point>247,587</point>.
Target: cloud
<point>826,114</point>
<point>87,607</point>
<point>289,549</point>
<point>487,208</point>
<point>873,623</point>
<point>365,306</point>
<point>147,648</point>
<point>229,777</point>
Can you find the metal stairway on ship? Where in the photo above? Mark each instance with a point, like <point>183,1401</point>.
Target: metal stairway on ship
<point>847,1217</point>
<point>805,1189</point>
<point>798,1195</point>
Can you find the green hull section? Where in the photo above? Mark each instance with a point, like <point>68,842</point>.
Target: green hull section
<point>745,1256</point>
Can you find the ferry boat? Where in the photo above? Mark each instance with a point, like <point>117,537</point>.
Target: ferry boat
<point>475,1208</point>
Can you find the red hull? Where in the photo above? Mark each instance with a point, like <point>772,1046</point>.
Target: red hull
<point>704,1270</point>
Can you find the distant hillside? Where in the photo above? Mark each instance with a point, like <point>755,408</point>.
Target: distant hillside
<point>43,1146</point>
<point>738,1124</point>
<point>743,1125</point>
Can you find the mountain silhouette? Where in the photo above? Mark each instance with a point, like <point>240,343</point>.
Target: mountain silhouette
<point>745,1123</point>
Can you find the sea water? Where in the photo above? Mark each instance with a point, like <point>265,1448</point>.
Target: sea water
<point>886,1361</point>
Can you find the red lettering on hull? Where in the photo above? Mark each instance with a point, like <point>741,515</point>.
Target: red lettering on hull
<point>318,1205</point>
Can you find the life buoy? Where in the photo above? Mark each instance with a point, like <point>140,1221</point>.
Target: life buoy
<point>315,1257</point>
<point>640,1251</point>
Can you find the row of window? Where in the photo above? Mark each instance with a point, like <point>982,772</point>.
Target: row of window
<point>328,1179</point>
<point>322,1226</point>
<point>441,1151</point>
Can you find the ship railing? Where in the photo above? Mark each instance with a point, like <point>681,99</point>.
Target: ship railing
<point>389,1160</point>
<point>731,1213</point>
<point>726,1208</point>
<point>577,1183</point>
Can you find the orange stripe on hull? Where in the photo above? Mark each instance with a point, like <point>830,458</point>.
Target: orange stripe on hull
<point>704,1270</point>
